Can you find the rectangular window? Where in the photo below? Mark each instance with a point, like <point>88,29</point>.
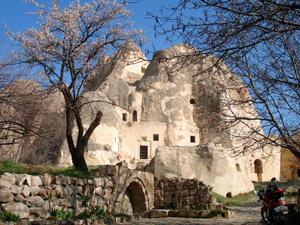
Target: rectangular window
<point>124,116</point>
<point>155,137</point>
<point>193,139</point>
<point>298,172</point>
<point>143,152</point>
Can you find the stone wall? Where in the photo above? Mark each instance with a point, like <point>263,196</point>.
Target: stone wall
<point>36,196</point>
<point>183,194</point>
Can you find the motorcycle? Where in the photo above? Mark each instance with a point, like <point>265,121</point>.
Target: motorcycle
<point>273,208</point>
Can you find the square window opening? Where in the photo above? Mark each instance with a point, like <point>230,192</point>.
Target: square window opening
<point>155,137</point>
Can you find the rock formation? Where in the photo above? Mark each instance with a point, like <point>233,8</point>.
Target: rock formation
<point>181,98</point>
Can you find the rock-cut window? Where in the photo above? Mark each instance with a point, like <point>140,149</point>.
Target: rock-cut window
<point>134,116</point>
<point>193,139</point>
<point>155,137</point>
<point>124,116</point>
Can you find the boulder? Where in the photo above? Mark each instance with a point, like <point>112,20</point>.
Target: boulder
<point>36,180</point>
<point>16,190</point>
<point>23,179</point>
<point>25,190</point>
<point>17,208</point>
<point>35,201</point>
<point>7,180</point>
<point>6,196</point>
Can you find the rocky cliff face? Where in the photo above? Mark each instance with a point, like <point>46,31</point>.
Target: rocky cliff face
<point>182,98</point>
<point>207,163</point>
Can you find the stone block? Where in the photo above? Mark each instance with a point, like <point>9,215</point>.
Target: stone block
<point>35,201</point>
<point>77,190</point>
<point>34,190</point>
<point>25,190</point>
<point>193,214</point>
<point>38,212</point>
<point>228,214</point>
<point>108,183</point>
<point>173,213</point>
<point>19,198</point>
<point>182,213</point>
<point>6,196</point>
<point>15,189</point>
<point>159,213</point>
<point>23,179</point>
<point>48,179</point>
<point>19,209</point>
<point>7,180</point>
<point>59,191</point>
<point>37,180</point>
<point>99,182</point>
<point>99,191</point>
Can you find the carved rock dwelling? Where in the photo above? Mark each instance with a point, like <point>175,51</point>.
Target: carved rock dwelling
<point>171,112</point>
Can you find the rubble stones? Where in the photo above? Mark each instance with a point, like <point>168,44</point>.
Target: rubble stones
<point>184,193</point>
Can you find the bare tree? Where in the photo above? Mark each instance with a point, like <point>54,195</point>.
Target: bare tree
<point>66,47</point>
<point>259,41</point>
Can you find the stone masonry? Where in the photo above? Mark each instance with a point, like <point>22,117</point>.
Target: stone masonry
<point>183,194</point>
<point>32,196</point>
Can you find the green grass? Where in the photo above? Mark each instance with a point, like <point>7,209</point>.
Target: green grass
<point>239,199</point>
<point>12,167</point>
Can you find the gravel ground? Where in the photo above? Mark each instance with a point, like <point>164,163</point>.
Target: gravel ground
<point>247,213</point>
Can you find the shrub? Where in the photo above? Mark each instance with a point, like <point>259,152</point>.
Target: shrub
<point>57,214</point>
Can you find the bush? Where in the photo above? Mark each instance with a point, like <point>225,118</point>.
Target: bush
<point>92,213</point>
<point>8,216</point>
<point>63,214</point>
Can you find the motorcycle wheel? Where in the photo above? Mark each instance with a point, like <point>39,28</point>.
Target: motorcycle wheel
<point>278,219</point>
<point>264,214</point>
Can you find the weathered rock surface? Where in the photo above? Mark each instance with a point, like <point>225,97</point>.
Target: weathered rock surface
<point>206,163</point>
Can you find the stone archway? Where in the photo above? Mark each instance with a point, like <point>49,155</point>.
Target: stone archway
<point>258,169</point>
<point>135,193</point>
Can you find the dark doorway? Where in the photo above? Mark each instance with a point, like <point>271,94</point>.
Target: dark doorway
<point>136,197</point>
<point>143,152</point>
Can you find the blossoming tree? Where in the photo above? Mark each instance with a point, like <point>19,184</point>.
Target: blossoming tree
<point>66,47</point>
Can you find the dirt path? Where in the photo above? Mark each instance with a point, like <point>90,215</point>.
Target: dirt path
<point>247,213</point>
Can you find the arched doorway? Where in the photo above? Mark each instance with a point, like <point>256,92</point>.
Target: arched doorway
<point>258,169</point>
<point>134,201</point>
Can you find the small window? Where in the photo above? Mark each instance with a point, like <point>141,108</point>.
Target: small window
<point>155,137</point>
<point>134,116</point>
<point>192,101</point>
<point>238,168</point>
<point>298,172</point>
<point>143,152</point>
<point>124,116</point>
<point>193,139</point>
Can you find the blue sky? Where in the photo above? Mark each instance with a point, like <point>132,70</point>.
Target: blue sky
<point>13,13</point>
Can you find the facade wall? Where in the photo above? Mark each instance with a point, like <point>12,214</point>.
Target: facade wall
<point>270,159</point>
